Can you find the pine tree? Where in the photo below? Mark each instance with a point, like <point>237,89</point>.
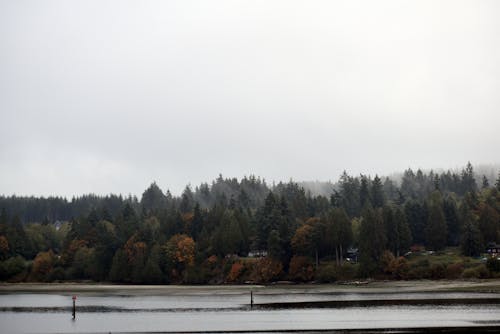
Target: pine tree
<point>397,230</point>
<point>404,232</point>
<point>349,191</point>
<point>436,230</point>
<point>486,184</point>
<point>18,240</point>
<point>152,272</point>
<point>471,244</point>
<point>489,223</point>
<point>377,193</point>
<point>372,239</point>
<point>335,234</point>
<point>467,179</point>
<point>274,249</point>
<point>120,270</point>
<point>452,221</point>
<point>416,215</point>
<point>153,198</point>
<point>197,222</point>
<point>187,200</point>
<point>267,220</point>
<point>364,192</point>
<point>391,228</point>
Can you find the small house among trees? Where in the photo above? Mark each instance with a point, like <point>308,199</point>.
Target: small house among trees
<point>493,249</point>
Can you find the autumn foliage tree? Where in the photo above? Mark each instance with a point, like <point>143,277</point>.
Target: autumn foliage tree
<point>42,265</point>
<point>303,240</point>
<point>267,270</point>
<point>136,251</point>
<point>235,272</point>
<point>301,269</point>
<point>180,252</point>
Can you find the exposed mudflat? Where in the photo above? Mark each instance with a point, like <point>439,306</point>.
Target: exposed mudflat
<point>349,287</point>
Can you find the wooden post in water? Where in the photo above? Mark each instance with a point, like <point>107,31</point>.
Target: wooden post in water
<point>74,307</point>
<point>251,299</point>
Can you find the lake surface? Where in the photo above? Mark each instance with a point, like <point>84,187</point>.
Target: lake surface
<point>222,310</point>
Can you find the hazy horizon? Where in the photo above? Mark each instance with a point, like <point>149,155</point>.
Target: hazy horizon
<point>107,96</point>
<point>315,186</point>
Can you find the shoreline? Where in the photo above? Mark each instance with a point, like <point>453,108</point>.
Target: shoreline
<point>486,286</point>
<point>412,330</point>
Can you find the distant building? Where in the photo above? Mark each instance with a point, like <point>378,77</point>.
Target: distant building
<point>257,253</point>
<point>493,249</point>
<point>352,255</point>
<point>58,224</point>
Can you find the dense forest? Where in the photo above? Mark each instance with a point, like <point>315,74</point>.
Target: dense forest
<point>426,225</point>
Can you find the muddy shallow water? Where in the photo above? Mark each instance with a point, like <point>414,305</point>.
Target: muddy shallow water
<point>123,309</point>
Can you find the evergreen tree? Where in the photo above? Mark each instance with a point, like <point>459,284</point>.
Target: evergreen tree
<point>471,243</point>
<point>153,199</point>
<point>197,222</point>
<point>377,193</point>
<point>187,200</point>
<point>489,223</point>
<point>416,215</point>
<point>408,184</point>
<point>404,232</point>
<point>295,197</point>
<point>105,247</point>
<point>437,183</point>
<point>152,272</point>
<point>467,179</point>
<point>349,191</point>
<point>286,228</point>
<point>486,184</point>
<point>18,240</point>
<point>120,270</point>
<point>343,236</point>
<point>391,191</point>
<point>372,239</point>
<point>397,230</point>
<point>452,221</point>
<point>364,192</point>
<point>267,220</point>
<point>4,222</point>
<point>274,249</point>
<point>127,223</point>
<point>436,230</point>
<point>391,228</point>
<point>228,237</point>
<point>335,199</point>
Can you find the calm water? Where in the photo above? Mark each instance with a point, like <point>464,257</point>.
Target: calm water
<point>51,313</point>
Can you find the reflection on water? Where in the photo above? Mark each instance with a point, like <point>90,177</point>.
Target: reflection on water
<point>50,313</point>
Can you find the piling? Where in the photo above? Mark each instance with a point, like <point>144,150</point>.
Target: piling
<point>74,307</point>
<point>251,299</point>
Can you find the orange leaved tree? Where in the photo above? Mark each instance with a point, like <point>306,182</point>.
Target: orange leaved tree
<point>180,251</point>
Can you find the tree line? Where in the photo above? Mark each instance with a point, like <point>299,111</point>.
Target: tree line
<point>245,230</point>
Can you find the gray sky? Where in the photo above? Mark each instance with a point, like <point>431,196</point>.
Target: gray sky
<point>107,96</point>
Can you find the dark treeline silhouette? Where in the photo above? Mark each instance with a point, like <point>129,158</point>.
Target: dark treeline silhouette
<point>245,230</point>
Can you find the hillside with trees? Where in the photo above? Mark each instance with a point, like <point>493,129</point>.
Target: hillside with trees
<point>426,225</point>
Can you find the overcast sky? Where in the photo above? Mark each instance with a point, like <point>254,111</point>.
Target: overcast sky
<point>107,96</point>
